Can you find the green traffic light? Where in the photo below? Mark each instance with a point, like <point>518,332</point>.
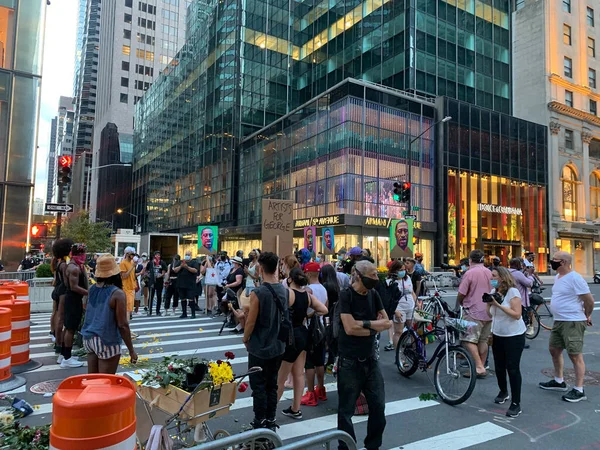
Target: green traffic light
<point>396,197</point>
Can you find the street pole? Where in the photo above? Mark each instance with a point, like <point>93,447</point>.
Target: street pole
<point>59,214</point>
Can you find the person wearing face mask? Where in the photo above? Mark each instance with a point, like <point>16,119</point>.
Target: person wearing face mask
<point>127,267</point>
<point>403,315</point>
<point>144,281</point>
<point>508,330</point>
<point>223,267</point>
<point>156,270</point>
<point>171,283</point>
<point>186,283</point>
<point>362,317</point>
<point>390,296</point>
<point>572,306</point>
<point>319,258</point>
<point>139,269</point>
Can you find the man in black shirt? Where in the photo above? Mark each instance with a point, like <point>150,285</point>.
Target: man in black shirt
<point>187,272</point>
<point>156,270</point>
<point>27,264</point>
<point>362,317</point>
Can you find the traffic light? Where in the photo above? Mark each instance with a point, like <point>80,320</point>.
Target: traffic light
<point>397,191</point>
<point>64,170</point>
<point>39,231</point>
<point>402,192</point>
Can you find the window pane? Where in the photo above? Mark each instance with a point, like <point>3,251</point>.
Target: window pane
<point>590,16</point>
<point>592,78</point>
<point>591,47</point>
<point>567,34</point>
<point>567,5</point>
<point>15,221</point>
<point>30,38</point>
<point>568,67</point>
<point>568,98</point>
<point>5,89</point>
<point>7,37</point>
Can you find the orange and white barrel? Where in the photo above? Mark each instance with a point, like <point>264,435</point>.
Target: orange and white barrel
<point>20,330</point>
<point>94,412</point>
<point>20,287</point>
<point>7,294</point>
<point>5,343</point>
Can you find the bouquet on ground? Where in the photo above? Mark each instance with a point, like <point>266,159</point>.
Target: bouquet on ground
<point>13,435</point>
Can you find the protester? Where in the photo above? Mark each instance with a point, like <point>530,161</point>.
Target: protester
<point>250,271</point>
<point>315,356</point>
<point>139,270</point>
<point>572,305</point>
<point>390,296</point>
<point>353,255</point>
<point>144,281</point>
<point>415,277</point>
<point>405,308</point>
<point>476,282</point>
<point>105,325</point>
<point>523,283</point>
<point>328,277</point>
<point>127,267</point>
<point>234,284</point>
<point>362,317</point>
<point>288,263</point>
<point>295,354</point>
<point>268,303</point>
<point>223,267</point>
<point>210,293</point>
<point>171,281</point>
<point>508,331</point>
<point>156,269</point>
<point>186,283</point>
<point>76,282</point>
<point>61,250</point>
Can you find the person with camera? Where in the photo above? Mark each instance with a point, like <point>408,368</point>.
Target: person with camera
<point>508,332</point>
<point>186,283</point>
<point>233,284</point>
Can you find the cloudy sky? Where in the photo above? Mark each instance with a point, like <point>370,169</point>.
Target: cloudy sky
<point>57,77</point>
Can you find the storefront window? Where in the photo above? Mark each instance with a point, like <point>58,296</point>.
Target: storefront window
<point>569,187</point>
<point>595,195</point>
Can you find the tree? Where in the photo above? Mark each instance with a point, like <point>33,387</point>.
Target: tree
<point>96,235</point>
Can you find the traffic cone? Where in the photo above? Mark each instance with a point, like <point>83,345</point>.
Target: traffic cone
<point>20,360</point>
<point>8,381</point>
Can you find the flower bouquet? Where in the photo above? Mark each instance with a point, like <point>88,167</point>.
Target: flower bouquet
<point>194,389</point>
<point>14,436</point>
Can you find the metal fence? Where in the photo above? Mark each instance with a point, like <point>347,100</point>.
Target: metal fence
<point>19,276</point>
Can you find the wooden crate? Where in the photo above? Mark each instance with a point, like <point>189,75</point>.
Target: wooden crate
<point>170,400</point>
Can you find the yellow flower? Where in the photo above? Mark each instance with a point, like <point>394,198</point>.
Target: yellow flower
<point>200,330</point>
<point>220,373</point>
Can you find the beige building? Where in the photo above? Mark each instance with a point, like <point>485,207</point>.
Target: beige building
<point>556,62</point>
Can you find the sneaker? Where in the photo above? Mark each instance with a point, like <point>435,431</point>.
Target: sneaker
<point>529,329</point>
<point>501,398</point>
<point>70,363</point>
<point>389,347</point>
<point>60,359</point>
<point>183,316</point>
<point>514,410</point>
<point>574,396</point>
<point>271,424</point>
<point>552,385</point>
<point>134,335</point>
<point>321,393</point>
<point>309,399</point>
<point>293,414</point>
<point>145,309</point>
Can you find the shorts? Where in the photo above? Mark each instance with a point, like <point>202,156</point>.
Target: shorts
<point>477,334</point>
<point>300,343</point>
<point>315,357</point>
<point>73,311</point>
<point>406,310</point>
<point>187,293</point>
<point>568,335</point>
<point>102,351</point>
<point>130,296</point>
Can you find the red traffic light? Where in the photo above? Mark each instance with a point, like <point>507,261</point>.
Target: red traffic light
<point>39,231</point>
<point>406,185</point>
<point>65,161</point>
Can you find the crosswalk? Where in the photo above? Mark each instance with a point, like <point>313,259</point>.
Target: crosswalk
<point>166,336</point>
<point>596,306</point>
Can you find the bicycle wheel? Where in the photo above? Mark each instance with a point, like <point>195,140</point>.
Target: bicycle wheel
<point>220,434</point>
<point>545,316</point>
<point>449,377</point>
<point>533,324</point>
<point>407,354</point>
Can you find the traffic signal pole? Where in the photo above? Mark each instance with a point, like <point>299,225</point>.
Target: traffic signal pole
<point>59,214</point>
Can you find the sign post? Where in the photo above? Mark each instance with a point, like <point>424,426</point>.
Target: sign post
<point>59,207</point>
<point>277,228</point>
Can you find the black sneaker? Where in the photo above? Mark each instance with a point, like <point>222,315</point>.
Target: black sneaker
<point>552,385</point>
<point>293,414</point>
<point>514,410</point>
<point>574,396</point>
<point>501,398</point>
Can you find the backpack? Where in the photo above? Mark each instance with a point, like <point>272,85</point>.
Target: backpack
<point>286,330</point>
<point>390,296</point>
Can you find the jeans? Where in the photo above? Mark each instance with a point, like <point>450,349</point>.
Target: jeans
<point>507,358</point>
<point>264,386</point>
<point>157,288</point>
<point>172,293</point>
<point>354,377</point>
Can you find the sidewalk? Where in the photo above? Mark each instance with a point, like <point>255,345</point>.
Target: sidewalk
<point>549,279</point>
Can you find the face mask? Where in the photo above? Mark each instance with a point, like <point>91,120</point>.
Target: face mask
<point>223,258</point>
<point>402,274</point>
<point>463,268</point>
<point>555,264</point>
<point>251,257</point>
<point>79,259</point>
<point>144,258</point>
<point>135,259</point>
<point>317,259</point>
<point>494,283</point>
<point>187,257</point>
<point>368,283</point>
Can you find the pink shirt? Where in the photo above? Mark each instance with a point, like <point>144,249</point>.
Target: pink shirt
<point>476,282</point>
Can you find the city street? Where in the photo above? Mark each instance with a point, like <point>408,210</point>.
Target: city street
<point>547,421</point>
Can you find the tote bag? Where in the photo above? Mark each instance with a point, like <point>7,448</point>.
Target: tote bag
<point>210,277</point>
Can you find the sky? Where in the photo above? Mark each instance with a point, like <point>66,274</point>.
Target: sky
<point>57,77</point>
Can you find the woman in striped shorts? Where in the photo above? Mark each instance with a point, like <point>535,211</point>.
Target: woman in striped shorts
<point>106,325</point>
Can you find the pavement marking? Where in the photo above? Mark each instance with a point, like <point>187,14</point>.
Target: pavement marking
<point>459,439</point>
<point>147,322</point>
<point>324,423</point>
<point>166,327</point>
<point>18,390</point>
<point>246,402</point>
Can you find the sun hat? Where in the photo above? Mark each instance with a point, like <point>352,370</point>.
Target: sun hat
<point>312,267</point>
<point>237,259</point>
<point>106,266</point>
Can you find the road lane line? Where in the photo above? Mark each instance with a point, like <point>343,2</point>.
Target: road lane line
<point>166,327</point>
<point>145,322</point>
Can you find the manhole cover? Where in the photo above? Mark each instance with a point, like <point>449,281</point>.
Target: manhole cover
<point>45,387</point>
<point>589,379</point>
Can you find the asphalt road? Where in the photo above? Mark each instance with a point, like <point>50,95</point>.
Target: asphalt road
<point>547,422</point>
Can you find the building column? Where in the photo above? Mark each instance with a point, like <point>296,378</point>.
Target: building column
<point>555,174</point>
<point>586,137</point>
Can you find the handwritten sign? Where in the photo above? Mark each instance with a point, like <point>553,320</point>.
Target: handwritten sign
<point>277,226</point>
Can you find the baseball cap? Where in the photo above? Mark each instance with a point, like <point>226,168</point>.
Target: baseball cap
<point>355,251</point>
<point>528,253</point>
<point>129,250</point>
<point>496,257</point>
<point>312,267</point>
<point>418,255</point>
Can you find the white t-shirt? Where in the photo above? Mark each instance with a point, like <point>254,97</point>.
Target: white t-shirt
<point>406,289</point>
<point>502,323</point>
<point>320,293</point>
<point>566,304</point>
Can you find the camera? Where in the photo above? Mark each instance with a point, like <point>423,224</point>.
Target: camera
<point>488,298</point>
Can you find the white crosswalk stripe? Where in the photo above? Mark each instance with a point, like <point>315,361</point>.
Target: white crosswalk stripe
<point>160,337</point>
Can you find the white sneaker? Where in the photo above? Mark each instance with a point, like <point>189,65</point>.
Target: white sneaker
<point>529,329</point>
<point>70,363</point>
<point>60,359</point>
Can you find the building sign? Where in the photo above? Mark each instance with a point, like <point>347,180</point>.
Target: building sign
<point>337,219</point>
<point>485,207</point>
<point>381,222</point>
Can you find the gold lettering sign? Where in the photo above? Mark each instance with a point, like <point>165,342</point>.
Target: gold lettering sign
<point>377,222</point>
<point>327,220</point>
<point>301,223</point>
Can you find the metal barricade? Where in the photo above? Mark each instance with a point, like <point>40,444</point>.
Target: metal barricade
<point>248,438</point>
<point>323,439</point>
<point>19,276</point>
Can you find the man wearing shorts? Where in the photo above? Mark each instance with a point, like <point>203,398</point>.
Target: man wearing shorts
<point>476,282</point>
<point>572,305</point>
<point>127,267</point>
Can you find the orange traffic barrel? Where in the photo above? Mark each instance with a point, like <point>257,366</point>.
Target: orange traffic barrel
<point>7,294</point>
<point>95,411</point>
<point>5,343</point>
<point>20,287</point>
<point>20,330</point>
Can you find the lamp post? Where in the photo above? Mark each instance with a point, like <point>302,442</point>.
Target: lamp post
<point>445,119</point>
<point>121,211</point>
<point>89,174</point>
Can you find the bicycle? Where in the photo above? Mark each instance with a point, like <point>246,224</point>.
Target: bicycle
<point>453,361</point>
<point>541,308</point>
<point>532,322</point>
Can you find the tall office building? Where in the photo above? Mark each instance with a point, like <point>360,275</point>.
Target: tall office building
<point>556,62</point>
<point>21,51</point>
<point>139,40</point>
<point>51,162</point>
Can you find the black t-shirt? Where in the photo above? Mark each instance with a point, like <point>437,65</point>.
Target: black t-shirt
<point>27,264</point>
<point>231,278</point>
<point>187,279</point>
<point>415,278</point>
<point>361,307</point>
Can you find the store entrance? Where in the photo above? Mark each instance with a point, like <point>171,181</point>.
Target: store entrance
<point>504,252</point>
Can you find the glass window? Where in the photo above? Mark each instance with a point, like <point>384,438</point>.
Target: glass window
<point>593,107</point>
<point>567,6</point>
<point>125,65</point>
<point>568,67</point>
<point>124,82</point>
<point>569,188</point>
<point>591,47</point>
<point>566,34</point>
<point>126,50</point>
<point>590,16</point>
<point>592,78</point>
<point>7,37</point>
<point>595,195</point>
<point>127,18</point>
<point>127,34</point>
<point>5,89</point>
<point>128,3</point>
<point>28,43</point>
<point>569,139</point>
<point>123,98</point>
<point>568,98</point>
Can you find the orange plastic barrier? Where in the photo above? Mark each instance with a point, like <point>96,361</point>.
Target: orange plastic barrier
<point>95,411</point>
<point>5,343</point>
<point>7,294</point>
<point>20,287</point>
<point>20,330</point>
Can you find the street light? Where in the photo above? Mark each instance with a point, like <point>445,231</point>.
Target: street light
<point>89,173</point>
<point>444,120</point>
<point>121,211</point>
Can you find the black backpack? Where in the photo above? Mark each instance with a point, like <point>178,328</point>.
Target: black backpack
<point>286,330</point>
<point>390,296</point>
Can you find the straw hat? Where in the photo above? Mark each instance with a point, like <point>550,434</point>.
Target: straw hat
<point>106,266</point>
